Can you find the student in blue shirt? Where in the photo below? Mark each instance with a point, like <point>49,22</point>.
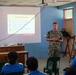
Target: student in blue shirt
<point>32,64</point>
<point>12,65</point>
<point>72,68</point>
<point>73,63</point>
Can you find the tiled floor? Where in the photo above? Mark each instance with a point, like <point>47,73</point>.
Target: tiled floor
<point>63,63</point>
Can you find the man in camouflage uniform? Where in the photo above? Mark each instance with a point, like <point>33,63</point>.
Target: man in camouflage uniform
<point>55,38</point>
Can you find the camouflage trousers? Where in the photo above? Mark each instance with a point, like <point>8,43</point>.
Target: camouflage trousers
<point>54,52</point>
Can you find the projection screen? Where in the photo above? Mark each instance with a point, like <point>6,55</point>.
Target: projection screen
<point>20,25</point>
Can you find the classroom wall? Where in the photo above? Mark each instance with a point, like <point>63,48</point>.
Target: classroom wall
<point>74,6</point>
<point>48,16</point>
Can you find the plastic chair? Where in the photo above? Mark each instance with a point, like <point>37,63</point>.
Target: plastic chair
<point>1,65</point>
<point>15,73</point>
<point>52,65</point>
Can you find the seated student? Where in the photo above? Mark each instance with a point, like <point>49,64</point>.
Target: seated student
<point>72,68</point>
<point>12,65</point>
<point>70,71</point>
<point>32,64</point>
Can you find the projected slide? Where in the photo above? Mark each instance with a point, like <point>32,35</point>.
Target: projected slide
<point>21,24</point>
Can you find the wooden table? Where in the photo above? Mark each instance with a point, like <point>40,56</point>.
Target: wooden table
<point>20,53</point>
<point>5,49</point>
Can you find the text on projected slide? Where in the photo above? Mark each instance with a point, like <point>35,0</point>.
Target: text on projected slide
<point>21,24</point>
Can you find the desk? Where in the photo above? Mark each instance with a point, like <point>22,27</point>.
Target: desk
<point>19,53</point>
<point>20,50</point>
<point>5,49</point>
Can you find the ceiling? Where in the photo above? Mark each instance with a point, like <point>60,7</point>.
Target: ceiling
<point>35,2</point>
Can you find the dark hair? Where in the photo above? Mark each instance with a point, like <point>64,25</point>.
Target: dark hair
<point>32,63</point>
<point>12,56</point>
<point>70,71</point>
<point>55,23</point>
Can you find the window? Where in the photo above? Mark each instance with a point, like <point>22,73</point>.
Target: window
<point>68,13</point>
<point>69,20</point>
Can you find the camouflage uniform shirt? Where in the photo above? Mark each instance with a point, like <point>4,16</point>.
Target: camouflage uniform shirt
<point>54,46</point>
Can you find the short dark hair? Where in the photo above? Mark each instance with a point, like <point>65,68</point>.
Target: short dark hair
<point>32,63</point>
<point>71,70</point>
<point>12,56</point>
<point>55,23</point>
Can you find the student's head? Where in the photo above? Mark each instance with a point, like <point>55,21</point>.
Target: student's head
<point>70,71</point>
<point>55,25</point>
<point>32,63</point>
<point>12,57</point>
